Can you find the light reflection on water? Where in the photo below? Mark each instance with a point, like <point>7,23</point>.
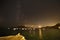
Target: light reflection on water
<point>40,34</point>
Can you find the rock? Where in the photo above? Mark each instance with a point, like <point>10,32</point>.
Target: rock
<point>13,37</point>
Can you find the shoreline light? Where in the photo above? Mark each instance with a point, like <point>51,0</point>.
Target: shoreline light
<point>39,26</point>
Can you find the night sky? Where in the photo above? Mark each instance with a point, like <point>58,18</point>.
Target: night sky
<point>36,12</point>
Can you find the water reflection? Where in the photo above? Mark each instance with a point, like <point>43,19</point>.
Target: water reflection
<point>40,34</point>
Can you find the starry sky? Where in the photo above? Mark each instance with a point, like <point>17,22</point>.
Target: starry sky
<point>36,12</point>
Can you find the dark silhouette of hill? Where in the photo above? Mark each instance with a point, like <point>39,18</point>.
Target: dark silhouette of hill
<point>56,26</point>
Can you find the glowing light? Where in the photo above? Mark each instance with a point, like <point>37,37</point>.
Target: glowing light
<point>59,27</point>
<point>39,26</point>
<point>14,29</point>
<point>22,28</point>
<point>8,28</point>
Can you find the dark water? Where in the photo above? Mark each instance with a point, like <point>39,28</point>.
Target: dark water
<point>47,34</point>
<point>51,34</point>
